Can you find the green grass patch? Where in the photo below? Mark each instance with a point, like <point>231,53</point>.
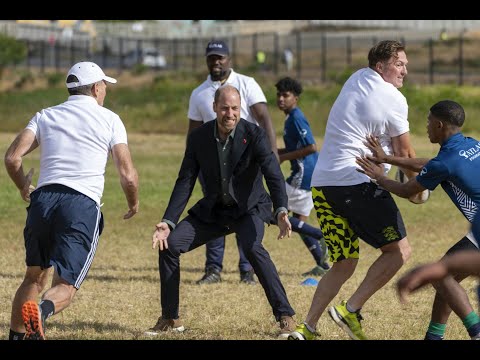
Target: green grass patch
<point>120,297</point>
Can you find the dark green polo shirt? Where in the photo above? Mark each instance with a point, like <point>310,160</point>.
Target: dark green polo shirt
<point>224,149</point>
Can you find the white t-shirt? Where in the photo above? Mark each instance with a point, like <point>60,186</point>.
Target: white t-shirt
<point>366,105</point>
<point>75,138</point>
<point>200,107</point>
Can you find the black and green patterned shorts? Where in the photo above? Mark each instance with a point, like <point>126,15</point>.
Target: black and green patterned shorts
<point>347,213</point>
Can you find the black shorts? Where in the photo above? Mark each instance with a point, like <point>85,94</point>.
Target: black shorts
<point>346,213</point>
<point>62,229</point>
<point>463,244</point>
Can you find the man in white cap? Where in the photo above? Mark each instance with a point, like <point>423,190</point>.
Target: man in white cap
<point>64,220</point>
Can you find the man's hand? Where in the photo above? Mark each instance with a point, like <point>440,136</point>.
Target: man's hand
<point>373,144</point>
<point>27,187</point>
<point>370,168</point>
<point>419,277</point>
<point>284,225</point>
<point>132,211</point>
<point>160,236</point>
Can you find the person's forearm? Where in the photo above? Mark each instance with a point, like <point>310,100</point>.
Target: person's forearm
<point>15,171</point>
<point>463,262</point>
<point>412,164</point>
<point>130,188</point>
<point>393,186</point>
<point>297,154</point>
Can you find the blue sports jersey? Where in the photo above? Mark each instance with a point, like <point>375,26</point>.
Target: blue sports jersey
<point>457,169</point>
<point>296,135</point>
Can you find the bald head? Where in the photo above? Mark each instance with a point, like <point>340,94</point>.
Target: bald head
<point>227,107</point>
<point>225,90</point>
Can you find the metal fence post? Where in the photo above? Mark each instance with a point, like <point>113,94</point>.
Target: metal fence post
<point>323,63</point>
<point>431,61</point>
<point>460,59</point>
<point>349,50</point>
<point>298,36</point>
<point>194,54</point>
<point>276,51</point>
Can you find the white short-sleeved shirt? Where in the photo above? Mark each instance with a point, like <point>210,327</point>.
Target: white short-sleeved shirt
<point>75,138</point>
<point>366,105</point>
<point>200,106</point>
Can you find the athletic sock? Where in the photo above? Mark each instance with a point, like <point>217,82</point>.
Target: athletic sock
<point>472,323</point>
<point>15,335</point>
<point>435,331</point>
<point>309,328</point>
<point>349,309</point>
<point>47,308</point>
<point>302,227</point>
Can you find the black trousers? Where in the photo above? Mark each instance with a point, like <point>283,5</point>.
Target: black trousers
<point>191,233</point>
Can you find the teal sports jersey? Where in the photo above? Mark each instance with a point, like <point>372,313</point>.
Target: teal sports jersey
<point>457,169</point>
<point>296,135</point>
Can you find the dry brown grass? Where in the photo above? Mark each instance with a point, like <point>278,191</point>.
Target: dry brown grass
<point>120,298</point>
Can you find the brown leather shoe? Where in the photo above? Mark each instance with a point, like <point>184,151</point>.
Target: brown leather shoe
<point>287,325</point>
<point>165,325</point>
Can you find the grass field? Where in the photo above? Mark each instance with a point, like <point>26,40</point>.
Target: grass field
<point>120,297</point>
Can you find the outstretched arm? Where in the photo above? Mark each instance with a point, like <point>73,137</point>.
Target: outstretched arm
<point>463,262</point>
<point>375,171</point>
<point>410,163</point>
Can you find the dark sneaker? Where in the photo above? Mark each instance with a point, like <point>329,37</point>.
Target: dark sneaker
<point>430,336</point>
<point>287,326</point>
<point>32,319</point>
<point>247,277</point>
<point>211,276</point>
<point>163,325</point>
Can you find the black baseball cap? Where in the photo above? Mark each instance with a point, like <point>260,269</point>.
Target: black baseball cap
<point>217,47</point>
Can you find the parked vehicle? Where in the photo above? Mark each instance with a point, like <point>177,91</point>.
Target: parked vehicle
<point>149,57</point>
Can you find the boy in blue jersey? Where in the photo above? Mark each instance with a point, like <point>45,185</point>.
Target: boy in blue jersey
<point>457,169</point>
<point>301,150</point>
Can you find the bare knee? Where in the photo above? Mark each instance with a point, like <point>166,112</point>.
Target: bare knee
<point>401,248</point>
<point>344,268</point>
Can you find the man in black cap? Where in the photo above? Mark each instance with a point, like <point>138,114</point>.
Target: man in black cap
<point>200,110</point>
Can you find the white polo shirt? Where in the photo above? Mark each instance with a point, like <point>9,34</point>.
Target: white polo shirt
<point>366,105</point>
<point>75,139</point>
<point>200,106</point>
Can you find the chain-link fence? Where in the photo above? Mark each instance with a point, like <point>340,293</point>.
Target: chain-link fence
<point>314,56</point>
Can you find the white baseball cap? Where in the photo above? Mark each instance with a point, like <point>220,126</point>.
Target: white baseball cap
<point>87,73</point>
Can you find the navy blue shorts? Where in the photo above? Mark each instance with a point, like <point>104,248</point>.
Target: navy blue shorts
<point>62,230</point>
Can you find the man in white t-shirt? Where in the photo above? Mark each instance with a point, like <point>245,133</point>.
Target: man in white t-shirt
<point>348,205</point>
<point>64,221</point>
<point>200,110</point>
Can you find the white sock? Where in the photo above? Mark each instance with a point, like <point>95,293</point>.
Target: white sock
<point>309,328</point>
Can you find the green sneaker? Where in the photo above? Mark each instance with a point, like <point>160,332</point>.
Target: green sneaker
<point>302,333</point>
<point>317,271</point>
<point>350,322</point>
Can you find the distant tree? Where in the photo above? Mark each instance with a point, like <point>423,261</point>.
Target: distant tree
<point>12,52</point>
